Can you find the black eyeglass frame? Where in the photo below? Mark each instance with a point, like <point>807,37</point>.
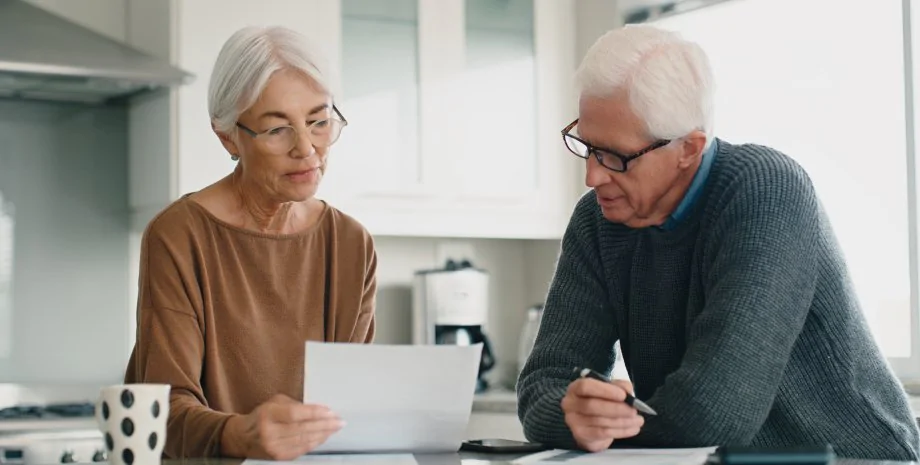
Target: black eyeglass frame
<point>598,151</point>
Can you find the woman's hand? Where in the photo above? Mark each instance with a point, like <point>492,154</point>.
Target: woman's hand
<point>279,429</point>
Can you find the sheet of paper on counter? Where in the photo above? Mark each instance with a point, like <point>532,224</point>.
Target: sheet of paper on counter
<point>340,459</point>
<point>688,456</point>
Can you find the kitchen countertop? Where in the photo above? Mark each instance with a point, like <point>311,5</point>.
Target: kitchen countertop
<point>466,458</point>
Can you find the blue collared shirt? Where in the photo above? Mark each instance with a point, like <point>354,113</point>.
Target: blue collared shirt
<point>696,187</point>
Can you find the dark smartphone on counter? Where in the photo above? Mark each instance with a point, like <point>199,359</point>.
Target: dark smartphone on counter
<point>501,446</point>
<point>801,455</point>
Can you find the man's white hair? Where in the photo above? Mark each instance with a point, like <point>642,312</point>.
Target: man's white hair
<point>246,62</point>
<point>667,78</point>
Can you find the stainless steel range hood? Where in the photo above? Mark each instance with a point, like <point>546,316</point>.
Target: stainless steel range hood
<point>45,57</point>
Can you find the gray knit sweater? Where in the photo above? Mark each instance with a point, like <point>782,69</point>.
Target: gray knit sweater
<point>739,327</point>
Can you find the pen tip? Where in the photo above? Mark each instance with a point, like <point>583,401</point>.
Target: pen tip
<point>644,408</point>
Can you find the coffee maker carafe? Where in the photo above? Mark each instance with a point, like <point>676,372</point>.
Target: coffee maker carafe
<point>450,306</point>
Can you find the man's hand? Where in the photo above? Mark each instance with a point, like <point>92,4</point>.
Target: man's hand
<point>596,413</point>
<point>279,429</point>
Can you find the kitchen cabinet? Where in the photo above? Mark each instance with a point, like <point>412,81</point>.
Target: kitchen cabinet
<point>454,110</point>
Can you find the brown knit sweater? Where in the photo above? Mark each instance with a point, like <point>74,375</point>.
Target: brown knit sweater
<point>224,312</point>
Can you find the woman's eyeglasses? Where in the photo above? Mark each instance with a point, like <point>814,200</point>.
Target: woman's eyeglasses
<point>282,139</point>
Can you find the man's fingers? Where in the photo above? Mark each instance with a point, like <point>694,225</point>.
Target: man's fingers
<point>621,423</point>
<point>604,408</point>
<point>587,387</point>
<point>593,406</point>
<point>590,434</point>
<point>593,434</point>
<point>623,384</point>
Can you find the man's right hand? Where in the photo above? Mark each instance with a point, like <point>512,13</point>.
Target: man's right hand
<point>596,413</point>
<point>279,429</point>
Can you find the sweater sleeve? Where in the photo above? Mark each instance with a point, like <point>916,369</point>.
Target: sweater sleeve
<point>759,277</point>
<point>577,330</point>
<point>170,349</point>
<point>366,324</point>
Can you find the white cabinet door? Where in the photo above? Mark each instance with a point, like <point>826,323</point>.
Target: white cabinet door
<point>202,28</point>
<point>454,111</point>
<point>379,152</point>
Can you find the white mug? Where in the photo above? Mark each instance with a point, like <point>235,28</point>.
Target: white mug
<point>132,418</point>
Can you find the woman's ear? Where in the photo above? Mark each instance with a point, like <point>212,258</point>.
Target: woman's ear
<point>227,141</point>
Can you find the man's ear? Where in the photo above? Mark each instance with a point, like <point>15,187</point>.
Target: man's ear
<point>691,148</point>
<point>227,141</point>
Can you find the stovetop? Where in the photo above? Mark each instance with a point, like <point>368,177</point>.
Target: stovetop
<point>50,411</point>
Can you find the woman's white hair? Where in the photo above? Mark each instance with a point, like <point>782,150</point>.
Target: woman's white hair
<point>668,79</point>
<point>246,62</point>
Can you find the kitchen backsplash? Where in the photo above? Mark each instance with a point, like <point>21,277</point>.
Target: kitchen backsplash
<point>63,171</point>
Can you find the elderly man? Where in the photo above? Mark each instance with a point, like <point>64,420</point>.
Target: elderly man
<point>716,269</point>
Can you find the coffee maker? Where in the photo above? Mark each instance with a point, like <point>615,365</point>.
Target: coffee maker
<point>450,306</point>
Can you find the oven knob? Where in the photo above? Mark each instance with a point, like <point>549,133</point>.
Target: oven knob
<point>67,457</point>
<point>100,456</point>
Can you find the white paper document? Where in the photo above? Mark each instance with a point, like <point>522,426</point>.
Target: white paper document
<point>393,398</point>
<point>342,459</point>
<point>688,456</point>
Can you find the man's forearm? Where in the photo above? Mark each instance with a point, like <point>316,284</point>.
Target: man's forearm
<point>542,416</point>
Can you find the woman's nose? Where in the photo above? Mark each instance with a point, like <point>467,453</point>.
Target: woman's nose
<point>303,148</point>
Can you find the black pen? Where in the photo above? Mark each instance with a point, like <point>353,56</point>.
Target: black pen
<point>630,399</point>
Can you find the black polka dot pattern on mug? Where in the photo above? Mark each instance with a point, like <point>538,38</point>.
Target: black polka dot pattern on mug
<point>127,427</point>
<point>127,456</point>
<point>127,398</point>
<point>133,421</point>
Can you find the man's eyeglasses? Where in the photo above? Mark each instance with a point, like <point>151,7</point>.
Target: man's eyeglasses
<point>282,139</point>
<point>608,158</point>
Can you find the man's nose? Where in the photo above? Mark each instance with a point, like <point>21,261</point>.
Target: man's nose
<point>595,174</point>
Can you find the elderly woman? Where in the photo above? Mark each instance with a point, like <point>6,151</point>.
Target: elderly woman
<point>235,277</point>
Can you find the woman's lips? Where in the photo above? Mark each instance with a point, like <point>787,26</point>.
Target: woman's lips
<point>309,175</point>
